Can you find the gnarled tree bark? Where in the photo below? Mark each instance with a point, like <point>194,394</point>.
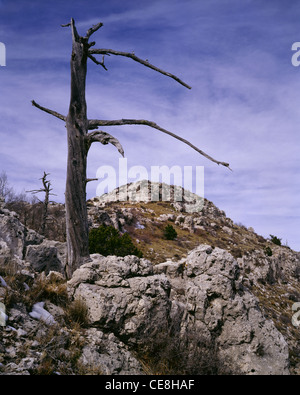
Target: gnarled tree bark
<point>80,138</point>
<point>77,127</point>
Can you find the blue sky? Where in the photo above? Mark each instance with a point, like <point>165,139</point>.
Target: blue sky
<point>243,107</point>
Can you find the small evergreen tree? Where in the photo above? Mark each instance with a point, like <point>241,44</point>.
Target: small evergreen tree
<point>106,240</point>
<point>170,233</point>
<point>275,240</point>
<point>268,251</point>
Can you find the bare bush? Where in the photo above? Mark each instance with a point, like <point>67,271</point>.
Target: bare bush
<point>5,190</point>
<point>8,192</point>
<point>175,354</point>
<point>77,313</point>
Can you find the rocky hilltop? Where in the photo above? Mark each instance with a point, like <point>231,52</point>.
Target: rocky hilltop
<point>196,220</point>
<point>218,299</point>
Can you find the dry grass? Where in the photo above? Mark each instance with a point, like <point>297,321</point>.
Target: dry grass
<point>60,346</point>
<point>157,249</point>
<point>53,289</point>
<point>174,354</point>
<point>61,350</point>
<point>15,280</point>
<point>76,313</point>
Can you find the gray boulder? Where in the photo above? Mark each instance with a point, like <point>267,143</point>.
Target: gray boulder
<point>46,257</point>
<point>208,296</point>
<point>14,236</point>
<point>15,241</point>
<point>123,296</point>
<point>12,232</point>
<point>108,355</point>
<point>282,265</point>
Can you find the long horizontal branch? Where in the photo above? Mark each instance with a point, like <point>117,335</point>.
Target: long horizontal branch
<point>136,59</point>
<point>35,191</point>
<point>121,122</point>
<point>54,113</point>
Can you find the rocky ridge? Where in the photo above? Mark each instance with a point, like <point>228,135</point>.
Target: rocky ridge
<point>196,220</point>
<point>240,305</point>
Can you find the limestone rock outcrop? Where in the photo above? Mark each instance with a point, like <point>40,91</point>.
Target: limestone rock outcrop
<point>211,293</point>
<point>123,296</point>
<point>132,299</point>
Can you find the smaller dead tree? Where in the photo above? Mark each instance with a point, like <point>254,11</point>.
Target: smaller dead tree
<point>47,190</point>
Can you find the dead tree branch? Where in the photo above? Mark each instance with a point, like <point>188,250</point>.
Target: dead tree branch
<point>136,59</point>
<point>91,179</point>
<point>103,138</point>
<point>54,113</point>
<point>121,122</point>
<point>97,62</point>
<point>93,29</point>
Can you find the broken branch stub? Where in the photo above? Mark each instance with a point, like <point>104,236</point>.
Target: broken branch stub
<point>104,138</point>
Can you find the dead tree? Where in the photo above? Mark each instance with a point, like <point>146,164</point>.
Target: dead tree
<point>47,190</point>
<point>82,132</point>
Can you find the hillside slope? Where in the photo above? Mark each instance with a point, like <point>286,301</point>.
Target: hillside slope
<point>196,221</point>
<point>272,272</point>
<point>216,278</point>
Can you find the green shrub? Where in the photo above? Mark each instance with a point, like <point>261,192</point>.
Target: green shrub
<point>275,240</point>
<point>268,251</point>
<point>170,233</point>
<point>106,240</point>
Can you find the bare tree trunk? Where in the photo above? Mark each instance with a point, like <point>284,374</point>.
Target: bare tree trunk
<point>47,189</point>
<point>77,127</point>
<point>46,203</point>
<point>45,213</point>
